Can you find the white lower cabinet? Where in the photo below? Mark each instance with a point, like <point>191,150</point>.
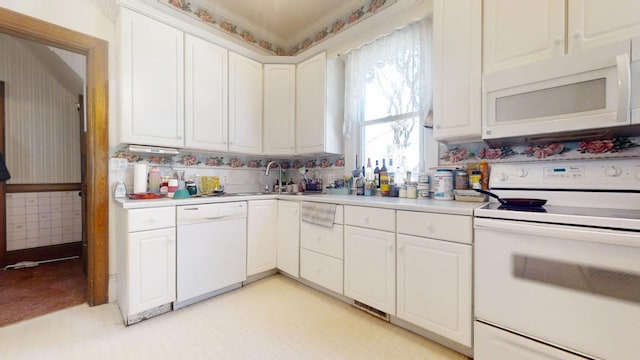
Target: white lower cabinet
<point>370,267</point>
<point>146,262</point>
<point>321,269</point>
<point>288,237</point>
<point>261,236</point>
<point>321,253</point>
<point>434,286</point>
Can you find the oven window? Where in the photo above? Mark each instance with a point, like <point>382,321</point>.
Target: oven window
<point>567,99</point>
<point>590,279</point>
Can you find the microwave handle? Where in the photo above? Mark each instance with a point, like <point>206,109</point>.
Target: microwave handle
<point>624,87</point>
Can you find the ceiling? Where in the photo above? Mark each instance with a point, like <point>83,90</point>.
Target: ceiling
<point>287,20</point>
<point>282,27</point>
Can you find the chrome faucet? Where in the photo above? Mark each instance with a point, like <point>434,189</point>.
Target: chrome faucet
<point>279,174</point>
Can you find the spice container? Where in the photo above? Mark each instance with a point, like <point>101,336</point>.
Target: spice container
<point>462,180</point>
<point>475,179</point>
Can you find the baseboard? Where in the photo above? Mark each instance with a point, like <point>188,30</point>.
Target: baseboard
<point>44,253</point>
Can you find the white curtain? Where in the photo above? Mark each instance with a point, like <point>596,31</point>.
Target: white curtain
<point>359,67</point>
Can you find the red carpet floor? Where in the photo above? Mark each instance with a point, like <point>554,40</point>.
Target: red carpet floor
<point>30,292</point>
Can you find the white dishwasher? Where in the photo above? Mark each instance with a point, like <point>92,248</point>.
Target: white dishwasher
<point>211,250</point>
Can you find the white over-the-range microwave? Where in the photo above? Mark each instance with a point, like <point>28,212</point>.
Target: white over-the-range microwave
<point>590,94</point>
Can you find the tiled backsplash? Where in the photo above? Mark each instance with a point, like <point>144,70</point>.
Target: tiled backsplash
<point>237,173</point>
<point>43,218</point>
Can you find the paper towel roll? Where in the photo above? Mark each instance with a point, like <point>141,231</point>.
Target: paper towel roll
<point>139,178</point>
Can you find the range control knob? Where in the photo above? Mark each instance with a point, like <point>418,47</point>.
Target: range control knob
<point>521,173</point>
<point>613,171</point>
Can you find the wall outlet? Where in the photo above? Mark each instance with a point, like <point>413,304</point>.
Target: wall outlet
<point>118,164</point>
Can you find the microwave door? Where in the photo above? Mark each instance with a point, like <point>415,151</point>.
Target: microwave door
<point>568,94</point>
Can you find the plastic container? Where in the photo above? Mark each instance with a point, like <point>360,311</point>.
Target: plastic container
<point>443,185</point>
<point>155,180</point>
<point>402,191</point>
<point>120,190</point>
<point>484,171</point>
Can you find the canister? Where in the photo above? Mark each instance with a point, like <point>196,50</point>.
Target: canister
<point>443,185</point>
<point>412,191</point>
<point>462,180</point>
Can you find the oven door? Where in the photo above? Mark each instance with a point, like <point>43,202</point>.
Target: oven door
<point>577,92</point>
<point>575,288</point>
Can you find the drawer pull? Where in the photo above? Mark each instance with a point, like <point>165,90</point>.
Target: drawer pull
<point>366,219</point>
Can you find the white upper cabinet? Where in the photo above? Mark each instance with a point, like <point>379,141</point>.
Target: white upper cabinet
<point>151,81</point>
<point>521,32</point>
<point>205,95</point>
<point>279,109</point>
<point>595,22</point>
<point>319,105</point>
<point>457,75</point>
<point>526,31</point>
<point>245,105</point>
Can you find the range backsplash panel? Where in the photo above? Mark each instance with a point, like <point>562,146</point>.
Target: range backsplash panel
<point>621,147</point>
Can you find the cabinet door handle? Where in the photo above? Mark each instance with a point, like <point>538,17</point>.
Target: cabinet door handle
<point>390,246</point>
<point>559,40</point>
<point>577,35</point>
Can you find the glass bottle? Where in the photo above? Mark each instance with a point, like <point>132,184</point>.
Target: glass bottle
<point>376,175</point>
<point>368,171</point>
<point>384,179</point>
<point>391,173</point>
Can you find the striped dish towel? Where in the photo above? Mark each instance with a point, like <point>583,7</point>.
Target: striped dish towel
<point>318,213</point>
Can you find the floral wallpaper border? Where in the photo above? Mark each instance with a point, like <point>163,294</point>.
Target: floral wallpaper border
<point>366,9</point>
<point>621,147</point>
<point>198,160</point>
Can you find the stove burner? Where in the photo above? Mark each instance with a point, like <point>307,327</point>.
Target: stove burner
<point>522,208</point>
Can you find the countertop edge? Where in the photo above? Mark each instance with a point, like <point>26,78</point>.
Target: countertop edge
<point>424,205</point>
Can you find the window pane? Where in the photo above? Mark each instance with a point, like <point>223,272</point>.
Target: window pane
<point>397,140</point>
<point>392,86</point>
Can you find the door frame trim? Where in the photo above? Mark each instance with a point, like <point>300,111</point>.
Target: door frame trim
<point>97,176</point>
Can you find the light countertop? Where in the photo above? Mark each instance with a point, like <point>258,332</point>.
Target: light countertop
<point>425,205</point>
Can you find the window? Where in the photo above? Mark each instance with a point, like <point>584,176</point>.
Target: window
<point>388,97</point>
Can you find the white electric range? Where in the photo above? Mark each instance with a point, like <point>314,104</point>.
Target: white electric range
<point>561,281</point>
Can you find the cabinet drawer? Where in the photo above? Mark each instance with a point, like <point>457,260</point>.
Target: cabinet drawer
<point>147,219</point>
<point>456,228</point>
<point>370,218</point>
<point>324,240</point>
<point>323,270</point>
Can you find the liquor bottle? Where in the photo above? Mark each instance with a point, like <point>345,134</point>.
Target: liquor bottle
<point>400,175</point>
<point>391,173</point>
<point>384,180</point>
<point>376,175</point>
<point>369,171</point>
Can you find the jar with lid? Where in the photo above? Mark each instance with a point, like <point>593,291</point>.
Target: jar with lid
<point>475,179</point>
<point>402,191</point>
<point>154,180</point>
<point>412,190</point>
<point>462,180</point>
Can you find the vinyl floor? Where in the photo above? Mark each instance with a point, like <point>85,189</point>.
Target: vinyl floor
<point>274,318</point>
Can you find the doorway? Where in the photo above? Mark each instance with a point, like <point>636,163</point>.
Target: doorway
<point>96,142</point>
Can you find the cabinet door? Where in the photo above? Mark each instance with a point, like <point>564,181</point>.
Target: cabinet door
<point>245,105</point>
<point>521,32</point>
<point>311,88</point>
<point>151,82</point>
<point>434,286</point>
<point>261,236</point>
<point>370,267</point>
<point>288,234</point>
<point>595,22</point>
<point>457,70</point>
<point>279,109</point>
<point>152,269</point>
<point>205,95</point>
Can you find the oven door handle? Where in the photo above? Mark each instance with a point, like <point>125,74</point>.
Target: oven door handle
<point>578,233</point>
